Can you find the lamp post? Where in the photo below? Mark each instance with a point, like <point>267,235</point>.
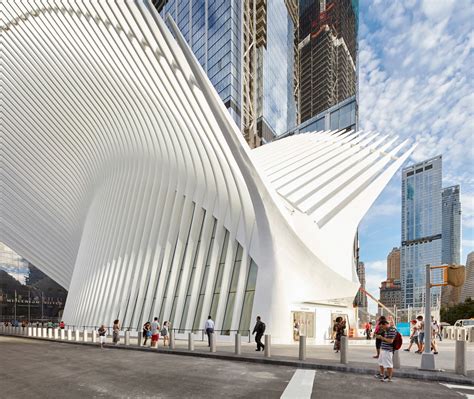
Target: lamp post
<point>427,358</point>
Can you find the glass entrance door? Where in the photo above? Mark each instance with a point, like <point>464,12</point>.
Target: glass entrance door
<point>303,324</point>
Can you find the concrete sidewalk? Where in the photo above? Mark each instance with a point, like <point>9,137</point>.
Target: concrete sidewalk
<point>318,357</point>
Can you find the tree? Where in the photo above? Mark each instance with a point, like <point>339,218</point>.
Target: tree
<point>463,310</point>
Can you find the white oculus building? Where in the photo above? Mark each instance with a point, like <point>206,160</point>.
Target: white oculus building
<point>125,179</point>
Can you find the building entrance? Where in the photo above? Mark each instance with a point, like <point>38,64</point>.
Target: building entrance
<point>303,324</point>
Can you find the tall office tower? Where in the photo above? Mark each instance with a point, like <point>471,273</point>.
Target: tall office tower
<point>451,223</point>
<point>421,229</point>
<point>361,298</point>
<point>451,239</point>
<point>390,290</point>
<point>393,264</point>
<point>328,48</point>
<point>247,50</point>
<point>468,287</point>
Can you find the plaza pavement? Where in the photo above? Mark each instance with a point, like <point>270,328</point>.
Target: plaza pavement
<point>44,369</point>
<point>323,357</point>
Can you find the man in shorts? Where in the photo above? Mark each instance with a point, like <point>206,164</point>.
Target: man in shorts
<point>155,332</point>
<point>385,360</point>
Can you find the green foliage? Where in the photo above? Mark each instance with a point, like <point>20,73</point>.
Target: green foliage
<point>461,311</point>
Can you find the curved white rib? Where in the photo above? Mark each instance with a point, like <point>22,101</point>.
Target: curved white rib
<point>125,179</point>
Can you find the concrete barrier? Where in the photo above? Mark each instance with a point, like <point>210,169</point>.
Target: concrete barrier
<point>30,331</point>
<point>50,333</point>
<point>452,333</point>
<point>344,349</point>
<point>45,332</point>
<point>190,341</point>
<point>267,351</point>
<point>85,335</point>
<point>127,338</point>
<point>63,334</point>
<point>56,333</point>
<point>172,339</point>
<point>396,359</point>
<point>460,364</point>
<point>302,351</point>
<point>69,335</point>
<point>94,336</point>
<point>213,347</point>
<point>238,346</point>
<point>39,332</point>
<point>471,334</point>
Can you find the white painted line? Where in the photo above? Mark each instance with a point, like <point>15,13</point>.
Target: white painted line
<point>459,386</point>
<point>300,385</point>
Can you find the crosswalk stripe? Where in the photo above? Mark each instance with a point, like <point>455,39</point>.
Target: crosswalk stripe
<point>300,385</point>
<point>459,386</point>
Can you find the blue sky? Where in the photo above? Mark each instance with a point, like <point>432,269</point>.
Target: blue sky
<point>416,81</point>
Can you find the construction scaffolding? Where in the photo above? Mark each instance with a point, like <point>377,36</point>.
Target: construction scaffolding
<point>327,55</point>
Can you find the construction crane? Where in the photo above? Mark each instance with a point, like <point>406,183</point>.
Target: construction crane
<point>363,290</point>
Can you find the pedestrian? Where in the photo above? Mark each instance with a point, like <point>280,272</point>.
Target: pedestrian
<point>420,325</point>
<point>413,336</point>
<point>102,336</point>
<point>378,331</point>
<point>340,331</point>
<point>368,330</point>
<point>155,332</point>
<point>209,328</point>
<point>146,332</point>
<point>50,324</point>
<point>333,332</point>
<point>116,332</point>
<point>62,325</point>
<point>165,333</point>
<point>434,334</point>
<point>385,359</point>
<point>259,330</point>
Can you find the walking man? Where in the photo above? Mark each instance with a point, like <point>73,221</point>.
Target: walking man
<point>209,327</point>
<point>386,351</point>
<point>259,329</point>
<point>155,332</point>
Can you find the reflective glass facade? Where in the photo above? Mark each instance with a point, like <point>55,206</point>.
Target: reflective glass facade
<point>213,30</point>
<point>451,225</point>
<point>421,229</point>
<point>275,102</point>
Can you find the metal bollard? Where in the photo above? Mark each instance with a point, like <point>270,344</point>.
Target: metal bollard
<point>127,338</point>
<point>69,335</point>
<point>50,333</point>
<point>302,355</point>
<point>139,339</point>
<point>63,334</point>
<point>238,346</point>
<point>94,336</point>
<point>190,341</point>
<point>460,364</point>
<point>213,342</point>
<point>56,333</point>
<point>172,340</point>
<point>267,352</point>
<point>77,335</point>
<point>396,360</point>
<point>85,335</point>
<point>344,349</point>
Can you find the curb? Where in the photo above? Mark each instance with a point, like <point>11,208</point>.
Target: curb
<point>310,365</point>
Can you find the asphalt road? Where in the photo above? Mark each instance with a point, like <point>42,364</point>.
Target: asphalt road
<point>41,369</point>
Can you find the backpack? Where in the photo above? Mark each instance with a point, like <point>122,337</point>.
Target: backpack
<point>397,341</point>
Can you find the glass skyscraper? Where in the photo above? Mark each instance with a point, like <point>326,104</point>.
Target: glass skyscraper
<point>451,211</point>
<point>246,49</point>
<point>421,229</point>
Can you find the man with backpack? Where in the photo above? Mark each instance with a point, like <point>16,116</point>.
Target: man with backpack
<point>391,341</point>
<point>259,330</point>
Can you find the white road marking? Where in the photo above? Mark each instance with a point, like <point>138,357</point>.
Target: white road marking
<point>458,386</point>
<point>461,387</point>
<point>300,385</point>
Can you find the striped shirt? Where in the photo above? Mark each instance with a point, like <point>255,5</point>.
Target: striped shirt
<point>389,334</point>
